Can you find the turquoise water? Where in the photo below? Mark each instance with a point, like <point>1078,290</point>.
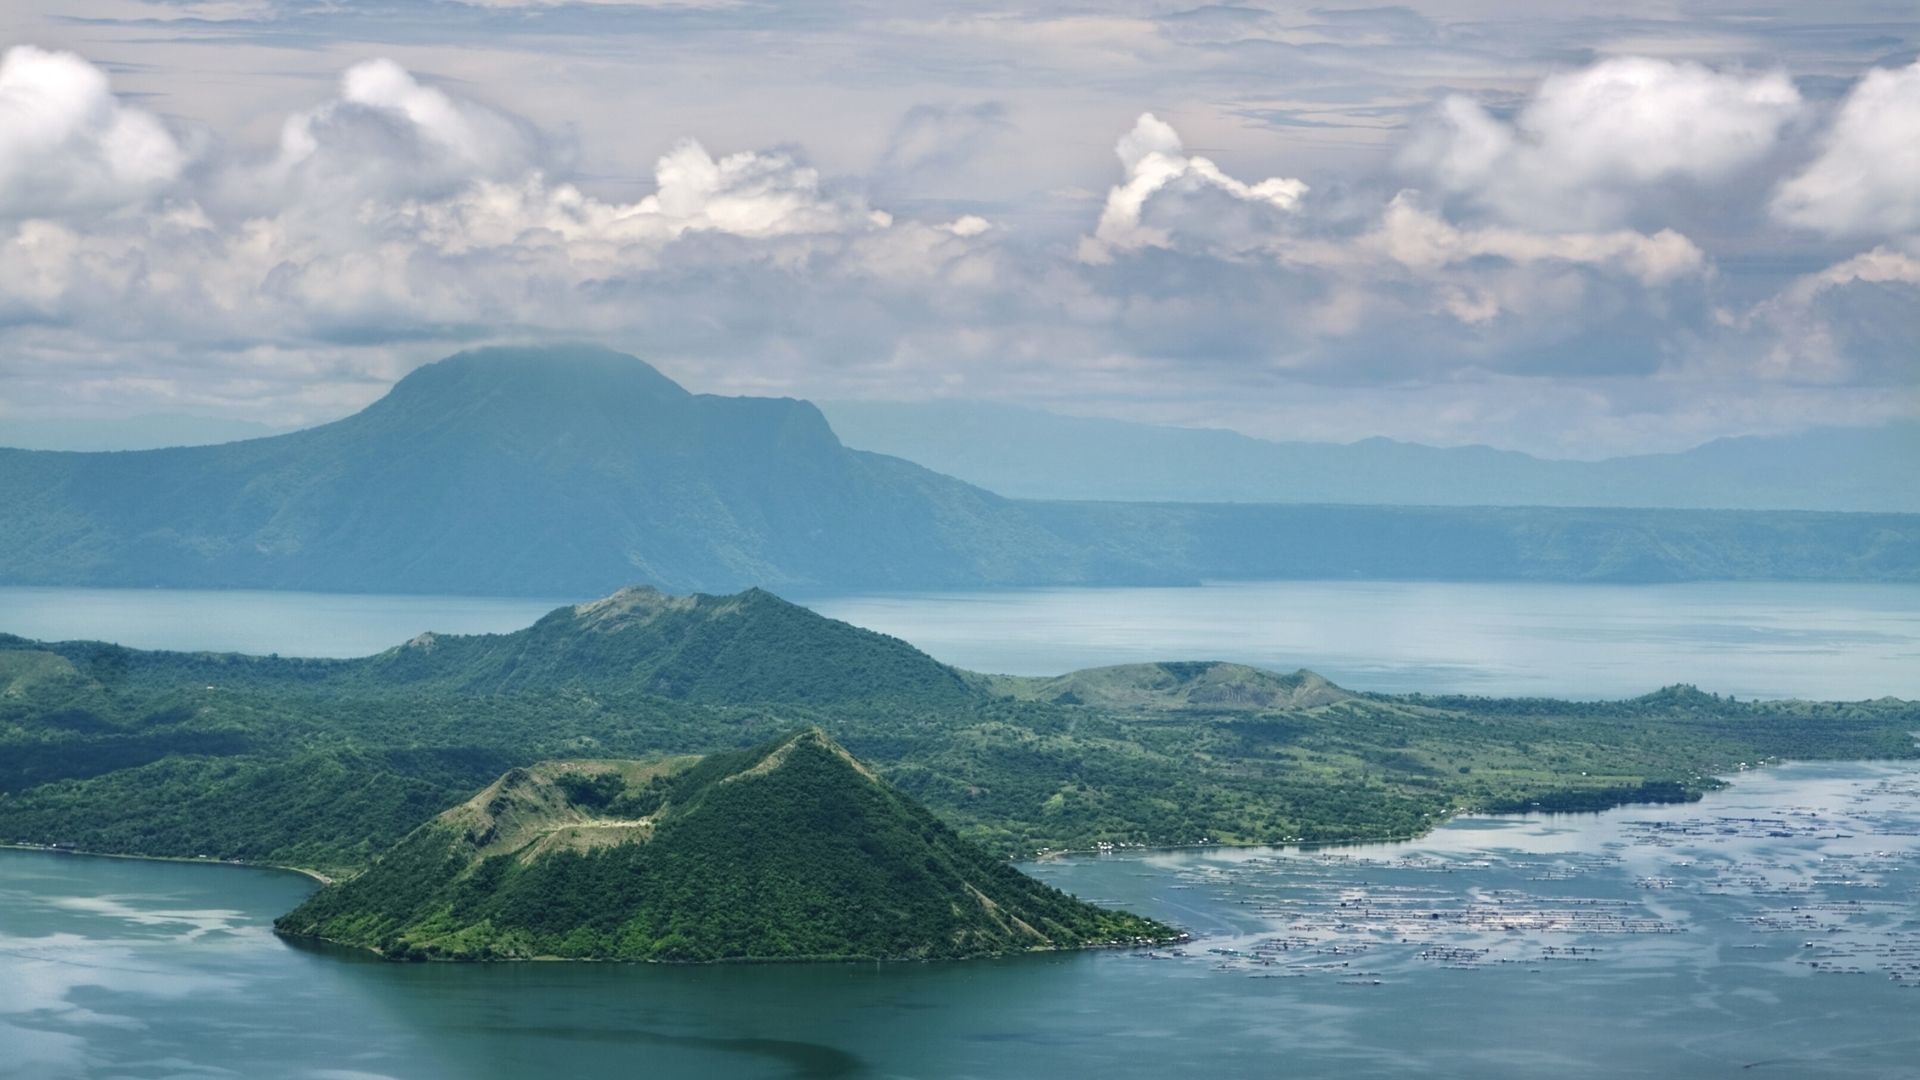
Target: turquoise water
<point>1756,933</point>
<point>1589,641</point>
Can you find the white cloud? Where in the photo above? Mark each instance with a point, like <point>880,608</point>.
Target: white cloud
<point>396,206</point>
<point>1813,331</point>
<point>397,219</point>
<point>1173,201</point>
<point>1866,180</point>
<point>1420,239</point>
<point>1577,152</point>
<point>555,230</point>
<point>68,145</point>
<point>1539,285</point>
<point>967,225</point>
<point>385,133</point>
<point>1168,193</point>
<point>1881,266</point>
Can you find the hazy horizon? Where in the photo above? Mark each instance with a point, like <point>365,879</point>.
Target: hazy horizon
<point>162,430</point>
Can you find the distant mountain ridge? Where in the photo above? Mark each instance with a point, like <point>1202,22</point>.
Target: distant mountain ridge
<point>1028,453</point>
<point>574,470</point>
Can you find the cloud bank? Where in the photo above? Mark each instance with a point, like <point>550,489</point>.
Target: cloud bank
<point>1866,181</point>
<point>1528,252</point>
<point>67,145</point>
<point>1591,141</point>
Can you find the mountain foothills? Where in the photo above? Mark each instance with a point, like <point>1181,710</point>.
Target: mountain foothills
<point>329,763</point>
<point>572,470</point>
<point>1027,453</point>
<point>790,850</point>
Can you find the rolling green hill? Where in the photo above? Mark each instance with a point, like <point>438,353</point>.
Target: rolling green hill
<point>1203,685</point>
<point>575,470</point>
<point>791,850</point>
<point>328,763</point>
<point>749,647</point>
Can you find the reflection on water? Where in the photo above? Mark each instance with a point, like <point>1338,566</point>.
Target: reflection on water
<point>1774,927</point>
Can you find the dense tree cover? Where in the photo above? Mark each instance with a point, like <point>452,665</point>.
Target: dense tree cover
<point>324,763</point>
<point>787,851</point>
<point>571,471</point>
<point>749,647</point>
<point>752,646</point>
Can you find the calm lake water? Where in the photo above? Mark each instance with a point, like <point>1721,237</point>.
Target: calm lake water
<point>1772,930</point>
<point>1575,641</point>
<point>1585,641</point>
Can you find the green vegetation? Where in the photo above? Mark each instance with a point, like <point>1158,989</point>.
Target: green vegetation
<point>570,471</point>
<point>327,763</point>
<point>792,850</point>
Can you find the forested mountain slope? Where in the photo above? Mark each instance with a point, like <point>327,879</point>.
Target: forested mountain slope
<point>790,850</point>
<point>575,470</point>
<point>327,763</point>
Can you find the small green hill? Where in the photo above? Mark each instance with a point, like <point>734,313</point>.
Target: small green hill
<point>749,647</point>
<point>1203,685</point>
<point>790,851</point>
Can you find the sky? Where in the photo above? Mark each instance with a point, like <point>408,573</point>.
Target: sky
<point>1574,230</point>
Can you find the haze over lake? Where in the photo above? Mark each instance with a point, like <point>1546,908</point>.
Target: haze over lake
<point>1822,641</point>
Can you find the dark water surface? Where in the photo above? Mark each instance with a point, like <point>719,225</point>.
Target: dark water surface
<point>1772,930</point>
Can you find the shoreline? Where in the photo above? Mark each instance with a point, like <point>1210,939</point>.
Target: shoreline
<point>1033,857</point>
<point>50,849</point>
<point>1319,845</point>
<point>1725,780</point>
<point>315,940</point>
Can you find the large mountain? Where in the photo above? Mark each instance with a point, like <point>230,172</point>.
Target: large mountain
<point>792,850</point>
<point>1027,453</point>
<point>512,471</point>
<point>574,470</point>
